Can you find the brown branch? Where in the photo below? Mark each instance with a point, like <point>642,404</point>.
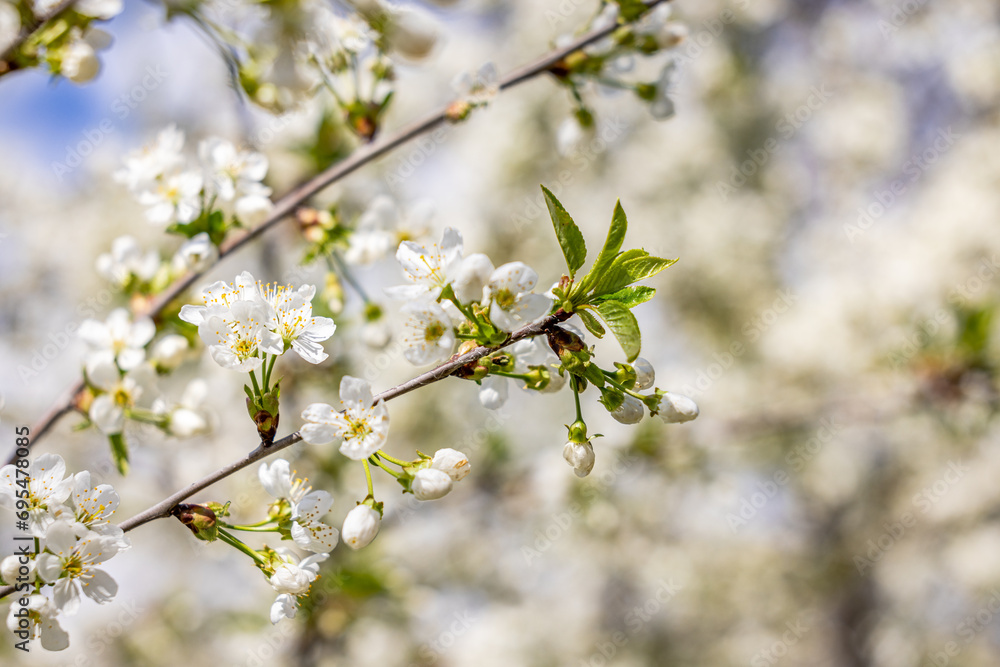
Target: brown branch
<point>162,509</point>
<point>288,203</point>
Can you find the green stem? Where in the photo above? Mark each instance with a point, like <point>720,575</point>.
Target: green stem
<point>515,376</point>
<point>377,461</point>
<point>619,387</point>
<point>256,387</point>
<point>368,475</point>
<point>253,529</point>
<point>338,265</point>
<point>147,417</point>
<point>268,366</point>
<point>236,544</point>
<point>576,399</point>
<point>391,459</point>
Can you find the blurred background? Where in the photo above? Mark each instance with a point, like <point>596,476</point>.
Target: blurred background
<point>829,182</point>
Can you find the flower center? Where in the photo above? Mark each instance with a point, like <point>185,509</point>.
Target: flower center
<point>505,298</point>
<point>357,429</point>
<point>122,397</point>
<point>433,332</point>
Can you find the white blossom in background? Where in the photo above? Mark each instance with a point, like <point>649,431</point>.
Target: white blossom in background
<point>428,267</point>
<point>10,24</point>
<point>372,239</point>
<point>146,165</point>
<point>103,10</point>
<point>480,88</point>
<point>71,566</point>
<point>176,198</point>
<point>121,393</point>
<point>127,259</point>
<point>197,254</point>
<point>10,569</point>
<point>230,172</point>
<point>118,335</point>
<point>430,484</point>
<point>189,417</point>
<point>361,526</point>
<point>169,351</point>
<point>428,332</point>
<point>360,429</point>
<point>662,106</point>
<point>514,304</point>
<point>78,60</point>
<point>569,136</point>
<point>43,623</point>
<point>471,276</point>
<point>494,391</point>
<point>411,33</point>
<point>48,488</point>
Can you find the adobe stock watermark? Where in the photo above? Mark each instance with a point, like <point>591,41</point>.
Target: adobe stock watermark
<point>898,16</point>
<point>635,620</point>
<point>534,206</point>
<point>913,170</point>
<point>968,629</point>
<point>794,631</point>
<point>121,107</point>
<point>795,460</point>
<point>560,522</point>
<point>786,127</point>
<point>103,639</point>
<point>752,330</point>
<point>922,502</point>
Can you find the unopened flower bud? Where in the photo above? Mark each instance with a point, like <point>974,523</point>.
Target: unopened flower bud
<point>580,456</point>
<point>169,352</point>
<point>629,412</point>
<point>430,484</point>
<point>645,376</point>
<point>200,519</point>
<point>15,571</point>
<point>453,462</point>
<point>677,408</point>
<point>360,526</point>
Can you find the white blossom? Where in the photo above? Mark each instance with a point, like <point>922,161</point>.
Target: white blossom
<point>10,24</point>
<point>144,166</point>
<point>430,484</point>
<point>293,577</point>
<point>231,172</point>
<point>361,526</point>
<point>121,393</point>
<point>47,488</point>
<point>70,562</point>
<point>292,320</point>
<point>197,254</point>
<point>236,336</point>
<point>307,530</point>
<point>175,198</point>
<point>13,570</point>
<point>78,61</point>
<point>126,260</point>
<point>493,392</point>
<point>428,333</point>
<point>514,304</point>
<point>119,335</point>
<point>41,622</point>
<point>427,267</point>
<point>360,429</point>
<point>412,34</point>
<point>99,9</point>
<point>479,88</point>
<point>453,462</point>
<point>471,277</point>
<point>168,352</point>
<point>284,607</point>
<point>189,417</point>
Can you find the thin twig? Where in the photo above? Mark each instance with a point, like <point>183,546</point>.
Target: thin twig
<point>287,204</point>
<point>163,508</point>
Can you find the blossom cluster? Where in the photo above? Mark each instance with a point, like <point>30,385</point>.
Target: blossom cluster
<point>70,517</point>
<point>176,192</point>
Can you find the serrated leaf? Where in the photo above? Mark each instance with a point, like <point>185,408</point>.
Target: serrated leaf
<point>119,452</point>
<point>589,321</point>
<point>630,267</point>
<point>570,239</point>
<point>623,325</point>
<point>630,297</point>
<point>616,235</point>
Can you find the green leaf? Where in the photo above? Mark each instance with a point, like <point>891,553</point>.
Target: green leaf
<point>630,297</point>
<point>589,321</point>
<point>616,235</point>
<point>119,452</point>
<point>630,10</point>
<point>570,239</point>
<point>629,267</point>
<point>623,325</point>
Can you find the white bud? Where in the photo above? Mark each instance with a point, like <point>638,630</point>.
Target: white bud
<point>629,412</point>
<point>10,570</point>
<point>677,408</point>
<point>79,62</point>
<point>580,456</point>
<point>430,484</point>
<point>360,526</point>
<point>412,34</point>
<point>556,382</point>
<point>645,376</point>
<point>197,254</point>
<point>453,462</point>
<point>472,275</point>
<point>253,210</point>
<point>169,351</point>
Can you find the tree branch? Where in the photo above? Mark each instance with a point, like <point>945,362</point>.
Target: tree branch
<point>162,509</point>
<point>288,203</point>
